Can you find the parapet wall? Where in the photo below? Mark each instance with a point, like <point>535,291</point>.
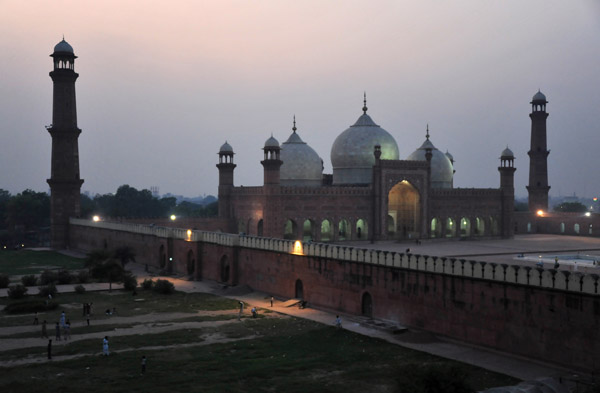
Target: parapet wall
<point>545,314</point>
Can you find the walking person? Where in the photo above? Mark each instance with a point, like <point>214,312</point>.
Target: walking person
<point>44,331</point>
<point>50,349</point>
<point>143,364</point>
<point>338,322</point>
<point>271,301</point>
<point>57,332</point>
<point>63,319</point>
<point>105,346</point>
<point>67,330</point>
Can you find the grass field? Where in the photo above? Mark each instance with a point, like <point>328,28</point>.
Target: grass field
<point>273,353</point>
<point>23,262</point>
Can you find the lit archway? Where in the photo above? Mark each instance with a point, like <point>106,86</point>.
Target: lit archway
<point>465,227</point>
<point>493,226</point>
<point>362,230</point>
<point>290,229</point>
<point>343,232</point>
<point>562,227</point>
<point>576,228</point>
<point>479,227</point>
<point>326,231</point>
<point>404,204</point>
<point>436,228</point>
<point>450,227</point>
<point>307,231</point>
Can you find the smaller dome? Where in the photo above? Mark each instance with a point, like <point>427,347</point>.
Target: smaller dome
<point>64,47</point>
<point>272,142</point>
<point>450,157</point>
<point>507,153</point>
<point>539,97</point>
<point>226,148</point>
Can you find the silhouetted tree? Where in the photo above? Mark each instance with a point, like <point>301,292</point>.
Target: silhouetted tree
<point>571,207</point>
<point>29,210</point>
<point>124,254</point>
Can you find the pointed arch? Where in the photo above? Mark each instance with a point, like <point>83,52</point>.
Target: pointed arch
<point>405,207</point>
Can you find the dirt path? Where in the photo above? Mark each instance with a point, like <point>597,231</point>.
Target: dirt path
<point>207,340</point>
<point>142,324</point>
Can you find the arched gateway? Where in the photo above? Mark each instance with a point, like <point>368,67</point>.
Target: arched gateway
<point>404,209</point>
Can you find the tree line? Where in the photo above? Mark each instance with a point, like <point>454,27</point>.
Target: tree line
<point>25,215</point>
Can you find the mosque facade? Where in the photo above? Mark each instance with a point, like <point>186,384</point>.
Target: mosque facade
<point>372,193</point>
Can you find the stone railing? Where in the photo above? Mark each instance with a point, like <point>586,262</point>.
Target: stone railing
<point>510,274</point>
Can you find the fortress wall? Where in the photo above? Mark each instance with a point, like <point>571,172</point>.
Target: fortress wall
<point>541,314</point>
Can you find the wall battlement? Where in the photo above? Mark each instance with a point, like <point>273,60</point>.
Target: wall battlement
<point>510,274</point>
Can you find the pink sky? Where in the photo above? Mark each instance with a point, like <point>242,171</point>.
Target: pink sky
<point>163,84</point>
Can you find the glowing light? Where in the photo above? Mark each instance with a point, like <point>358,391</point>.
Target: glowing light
<point>96,218</point>
<point>189,235</point>
<point>587,214</point>
<point>173,217</point>
<point>298,248</point>
<point>540,213</point>
<point>595,199</point>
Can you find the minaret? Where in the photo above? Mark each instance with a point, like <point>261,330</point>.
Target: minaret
<point>65,183</point>
<point>538,155</point>
<point>507,186</point>
<point>272,162</point>
<point>226,167</point>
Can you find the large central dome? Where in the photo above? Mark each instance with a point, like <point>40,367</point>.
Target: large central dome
<point>352,155</point>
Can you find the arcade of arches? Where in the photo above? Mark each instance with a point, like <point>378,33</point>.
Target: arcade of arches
<point>326,230</point>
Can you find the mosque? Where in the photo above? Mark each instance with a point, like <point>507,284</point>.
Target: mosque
<point>372,194</point>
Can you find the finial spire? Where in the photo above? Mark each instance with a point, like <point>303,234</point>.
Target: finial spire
<point>365,103</point>
<point>427,134</point>
<point>294,127</point>
<point>63,36</point>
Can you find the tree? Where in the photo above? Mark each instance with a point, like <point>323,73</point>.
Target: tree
<point>4,198</point>
<point>96,258</point>
<point>570,207</point>
<point>124,254</point>
<point>28,210</point>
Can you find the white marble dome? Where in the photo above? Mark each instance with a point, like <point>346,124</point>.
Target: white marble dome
<point>64,47</point>
<point>539,97</point>
<point>271,142</point>
<point>442,171</point>
<point>226,148</point>
<point>352,155</point>
<point>507,153</point>
<point>301,166</point>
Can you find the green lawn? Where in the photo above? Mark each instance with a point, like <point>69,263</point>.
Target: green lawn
<point>288,355</point>
<point>22,262</point>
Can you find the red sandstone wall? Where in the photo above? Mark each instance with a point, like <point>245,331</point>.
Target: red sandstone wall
<point>546,324</point>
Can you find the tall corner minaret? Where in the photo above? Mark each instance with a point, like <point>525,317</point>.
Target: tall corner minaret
<point>65,183</point>
<point>538,155</point>
<point>226,167</point>
<point>507,186</point>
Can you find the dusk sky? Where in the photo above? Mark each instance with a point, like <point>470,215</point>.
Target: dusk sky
<point>163,85</point>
